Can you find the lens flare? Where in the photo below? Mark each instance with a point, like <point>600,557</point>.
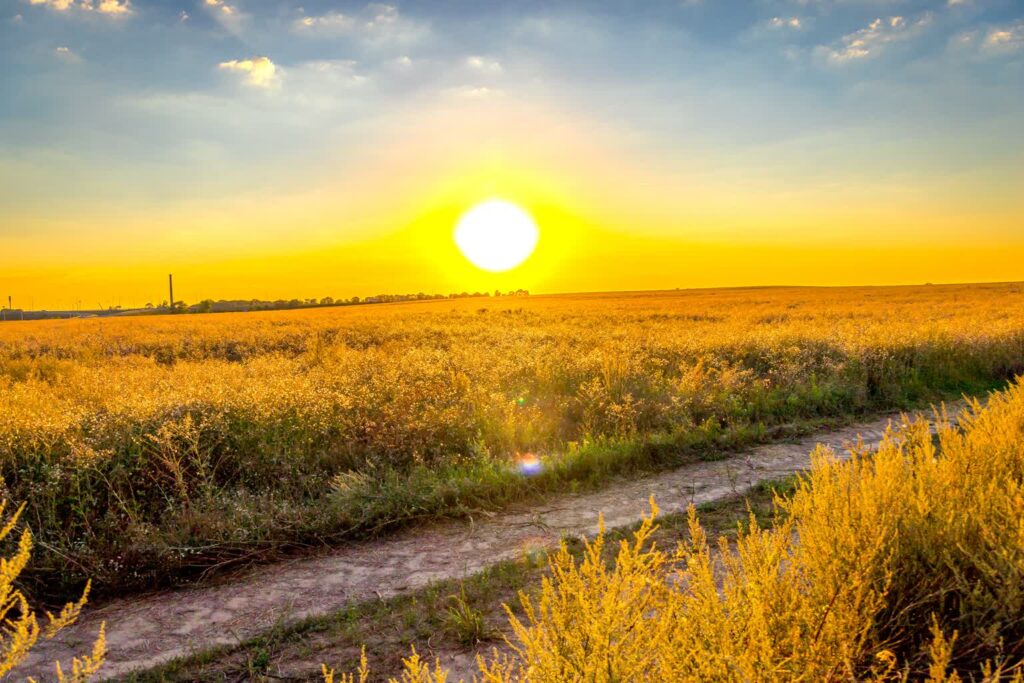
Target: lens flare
<point>528,464</point>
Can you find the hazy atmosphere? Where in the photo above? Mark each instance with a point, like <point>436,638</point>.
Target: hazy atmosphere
<point>296,149</point>
<point>512,342</point>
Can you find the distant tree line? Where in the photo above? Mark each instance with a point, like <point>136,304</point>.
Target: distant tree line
<point>235,305</point>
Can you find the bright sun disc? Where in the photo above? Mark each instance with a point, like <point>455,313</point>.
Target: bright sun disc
<point>496,235</point>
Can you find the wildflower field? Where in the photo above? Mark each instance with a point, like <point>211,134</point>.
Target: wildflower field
<point>153,448</point>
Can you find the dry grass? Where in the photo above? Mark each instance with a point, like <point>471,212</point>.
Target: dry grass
<point>152,448</point>
<point>906,564</point>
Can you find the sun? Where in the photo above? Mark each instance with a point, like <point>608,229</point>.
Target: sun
<point>496,235</point>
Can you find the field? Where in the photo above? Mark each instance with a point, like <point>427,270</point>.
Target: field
<point>901,564</point>
<point>158,448</point>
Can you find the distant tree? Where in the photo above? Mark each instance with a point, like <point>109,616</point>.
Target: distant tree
<point>327,301</point>
<point>149,304</point>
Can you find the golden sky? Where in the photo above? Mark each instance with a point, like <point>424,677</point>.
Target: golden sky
<point>852,146</point>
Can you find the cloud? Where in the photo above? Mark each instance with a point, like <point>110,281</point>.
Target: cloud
<point>221,7</point>
<point>330,22</point>
<point>869,42</point>
<point>334,72</point>
<point>65,54</point>
<point>475,92</point>
<point>786,22</point>
<point>483,65</point>
<point>985,43</point>
<point>375,23</point>
<point>259,72</point>
<point>113,8</point>
<point>58,5</point>
<point>229,16</point>
<point>1003,39</point>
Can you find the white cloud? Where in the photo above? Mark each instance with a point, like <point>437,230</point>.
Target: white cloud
<point>1003,39</point>
<point>871,41</point>
<point>65,54</point>
<point>330,22</point>
<point>475,92</point>
<point>324,85</point>
<point>183,16</point>
<point>58,5</point>
<point>221,7</point>
<point>375,23</point>
<point>228,15</point>
<point>483,65</point>
<point>258,72</point>
<point>786,22</point>
<point>16,19</point>
<point>114,8</point>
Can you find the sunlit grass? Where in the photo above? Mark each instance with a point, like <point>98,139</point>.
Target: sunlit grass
<point>156,448</point>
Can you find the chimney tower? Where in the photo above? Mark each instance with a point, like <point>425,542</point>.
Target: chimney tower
<point>170,284</point>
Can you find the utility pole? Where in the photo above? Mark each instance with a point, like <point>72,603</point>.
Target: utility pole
<point>170,284</point>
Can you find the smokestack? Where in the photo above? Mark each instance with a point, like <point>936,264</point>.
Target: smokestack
<point>170,284</point>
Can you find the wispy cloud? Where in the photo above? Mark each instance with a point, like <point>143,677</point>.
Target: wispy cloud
<point>219,6</point>
<point>329,22</point>
<point>1008,38</point>
<point>871,41</point>
<point>66,54</point>
<point>786,23</point>
<point>112,8</point>
<point>377,22</point>
<point>483,65</point>
<point>258,72</point>
<point>475,92</point>
<point>58,5</point>
<point>228,15</point>
<point>989,42</point>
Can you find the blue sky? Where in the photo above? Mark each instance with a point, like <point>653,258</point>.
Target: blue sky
<point>144,86</point>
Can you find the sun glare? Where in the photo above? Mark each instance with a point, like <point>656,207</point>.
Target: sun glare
<point>496,235</point>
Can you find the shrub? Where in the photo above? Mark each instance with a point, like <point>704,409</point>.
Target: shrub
<point>19,626</point>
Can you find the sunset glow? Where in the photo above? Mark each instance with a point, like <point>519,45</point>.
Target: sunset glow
<point>329,150</point>
<point>496,235</point>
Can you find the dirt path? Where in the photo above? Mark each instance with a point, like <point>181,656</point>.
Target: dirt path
<point>146,631</point>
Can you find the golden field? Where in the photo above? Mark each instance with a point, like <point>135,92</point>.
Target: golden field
<point>152,447</point>
<point>905,564</point>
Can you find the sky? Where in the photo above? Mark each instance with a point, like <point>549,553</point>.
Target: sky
<point>280,149</point>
